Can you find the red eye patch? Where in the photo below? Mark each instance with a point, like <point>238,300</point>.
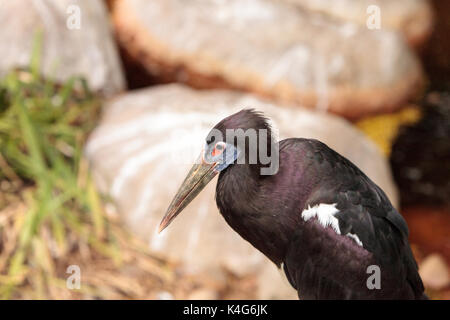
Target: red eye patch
<point>218,149</point>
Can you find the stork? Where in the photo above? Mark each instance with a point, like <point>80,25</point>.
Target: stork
<point>316,216</point>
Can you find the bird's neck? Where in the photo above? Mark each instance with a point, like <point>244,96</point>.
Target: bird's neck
<point>244,205</point>
<point>238,187</point>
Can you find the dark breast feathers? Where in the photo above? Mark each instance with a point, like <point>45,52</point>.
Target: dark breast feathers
<point>324,221</point>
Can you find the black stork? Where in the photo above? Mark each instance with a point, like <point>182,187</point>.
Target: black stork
<point>319,218</point>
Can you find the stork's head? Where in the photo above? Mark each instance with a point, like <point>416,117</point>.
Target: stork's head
<point>222,149</point>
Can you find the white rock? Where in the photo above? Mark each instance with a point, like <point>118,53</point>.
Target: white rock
<point>271,48</point>
<point>88,51</point>
<point>413,18</point>
<point>164,295</point>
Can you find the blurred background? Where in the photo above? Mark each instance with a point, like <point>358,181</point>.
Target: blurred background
<point>102,104</point>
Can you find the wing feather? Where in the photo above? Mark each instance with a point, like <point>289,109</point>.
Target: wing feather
<point>365,211</point>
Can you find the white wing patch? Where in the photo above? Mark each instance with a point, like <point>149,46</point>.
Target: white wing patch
<point>355,237</point>
<point>325,215</point>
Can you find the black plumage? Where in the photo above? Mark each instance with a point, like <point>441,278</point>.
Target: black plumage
<point>320,262</point>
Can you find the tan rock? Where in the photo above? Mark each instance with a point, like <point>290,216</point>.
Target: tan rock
<point>413,18</point>
<point>270,48</point>
<point>203,294</point>
<point>148,139</point>
<point>66,50</point>
<point>266,291</point>
<point>434,272</point>
<point>164,295</point>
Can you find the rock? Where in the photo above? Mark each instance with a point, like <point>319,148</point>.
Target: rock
<point>203,294</point>
<point>413,18</point>
<point>164,295</point>
<point>273,49</point>
<point>147,141</point>
<point>270,276</point>
<point>434,272</point>
<point>88,51</point>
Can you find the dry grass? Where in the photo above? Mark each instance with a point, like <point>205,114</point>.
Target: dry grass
<point>51,215</point>
<point>131,272</point>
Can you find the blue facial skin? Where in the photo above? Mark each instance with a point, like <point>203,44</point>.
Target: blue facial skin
<point>224,159</point>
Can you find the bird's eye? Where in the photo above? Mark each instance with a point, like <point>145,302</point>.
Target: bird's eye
<point>218,149</point>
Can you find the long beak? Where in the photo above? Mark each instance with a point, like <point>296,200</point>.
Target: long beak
<point>197,178</point>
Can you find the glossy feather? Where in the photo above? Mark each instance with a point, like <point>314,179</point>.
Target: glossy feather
<point>319,262</point>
